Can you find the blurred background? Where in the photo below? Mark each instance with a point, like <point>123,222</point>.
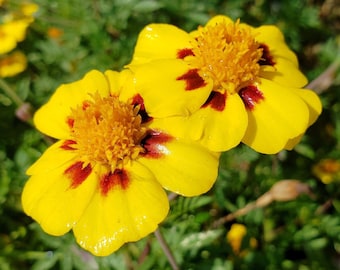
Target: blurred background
<point>65,39</point>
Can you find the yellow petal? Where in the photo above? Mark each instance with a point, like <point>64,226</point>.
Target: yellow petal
<point>113,78</point>
<point>219,130</point>
<point>281,116</point>
<point>286,68</point>
<point>165,93</point>
<point>313,102</point>
<point>183,167</point>
<point>12,64</point>
<point>123,215</point>
<point>159,41</point>
<point>271,36</point>
<point>315,107</point>
<point>52,117</point>
<point>53,203</point>
<point>214,129</point>
<point>12,32</point>
<point>284,72</point>
<point>28,9</point>
<point>212,22</point>
<point>218,19</point>
<point>121,83</point>
<point>291,143</point>
<point>55,156</point>
<point>7,44</point>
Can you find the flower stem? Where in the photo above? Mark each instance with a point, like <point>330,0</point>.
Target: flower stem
<point>11,93</point>
<point>166,250</point>
<point>322,83</point>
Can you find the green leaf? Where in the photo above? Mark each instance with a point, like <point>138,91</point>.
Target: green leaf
<point>198,240</point>
<point>47,262</point>
<point>318,243</point>
<point>147,6</point>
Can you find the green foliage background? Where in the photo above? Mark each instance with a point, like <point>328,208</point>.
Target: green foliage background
<point>100,34</point>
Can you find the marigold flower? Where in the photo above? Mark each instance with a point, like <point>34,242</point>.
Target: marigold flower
<point>247,78</point>
<point>104,176</point>
<point>235,237</point>
<point>14,26</point>
<point>327,170</point>
<point>12,64</point>
<point>11,33</point>
<point>54,32</point>
<point>28,9</point>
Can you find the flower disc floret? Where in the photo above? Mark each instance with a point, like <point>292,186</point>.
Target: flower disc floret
<point>228,54</point>
<point>107,131</point>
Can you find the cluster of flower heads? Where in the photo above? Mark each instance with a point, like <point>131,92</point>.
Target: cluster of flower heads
<point>14,21</point>
<point>160,124</point>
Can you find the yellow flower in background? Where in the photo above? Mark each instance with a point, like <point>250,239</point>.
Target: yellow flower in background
<point>12,64</point>
<point>103,178</point>
<point>11,33</point>
<point>28,9</point>
<point>235,237</point>
<point>327,170</point>
<point>14,26</point>
<point>21,9</point>
<point>246,79</point>
<point>54,32</point>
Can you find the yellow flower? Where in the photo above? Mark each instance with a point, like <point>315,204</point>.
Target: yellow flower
<point>327,170</point>
<point>104,176</point>
<point>235,238</point>
<point>12,64</point>
<point>28,9</point>
<point>247,79</point>
<point>14,26</point>
<point>11,33</point>
<point>54,32</point>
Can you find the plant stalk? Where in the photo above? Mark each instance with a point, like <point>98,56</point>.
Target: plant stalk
<point>166,250</point>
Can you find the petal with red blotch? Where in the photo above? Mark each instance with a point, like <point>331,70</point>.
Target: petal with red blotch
<point>178,91</point>
<point>54,156</point>
<point>278,117</point>
<point>218,130</point>
<point>57,198</point>
<point>159,41</point>
<point>183,166</point>
<point>122,214</point>
<point>285,70</point>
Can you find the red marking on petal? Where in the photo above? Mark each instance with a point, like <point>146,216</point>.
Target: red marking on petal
<point>138,100</point>
<point>154,144</point>
<point>70,122</point>
<point>251,95</point>
<point>86,104</point>
<point>216,101</point>
<point>181,54</point>
<point>67,145</point>
<point>193,79</point>
<point>111,180</point>
<point>266,58</point>
<point>77,173</point>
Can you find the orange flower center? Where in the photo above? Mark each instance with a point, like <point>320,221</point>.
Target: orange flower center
<point>228,54</point>
<point>107,131</point>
